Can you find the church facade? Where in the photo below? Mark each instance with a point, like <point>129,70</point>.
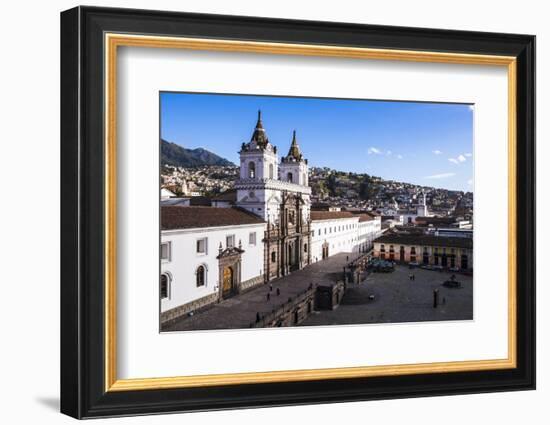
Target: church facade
<point>278,192</point>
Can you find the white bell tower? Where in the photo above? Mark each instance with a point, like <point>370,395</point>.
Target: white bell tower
<point>258,170</point>
<point>294,170</point>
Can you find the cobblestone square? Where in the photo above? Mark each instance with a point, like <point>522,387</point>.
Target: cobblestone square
<point>397,298</point>
<point>380,298</point>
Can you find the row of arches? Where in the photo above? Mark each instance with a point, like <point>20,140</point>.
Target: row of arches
<point>442,258</point>
<point>252,170</point>
<point>252,174</point>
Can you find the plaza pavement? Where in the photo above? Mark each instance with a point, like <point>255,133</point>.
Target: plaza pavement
<point>399,299</point>
<point>239,311</point>
<point>395,299</point>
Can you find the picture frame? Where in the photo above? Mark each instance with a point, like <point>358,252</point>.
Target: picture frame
<point>90,39</point>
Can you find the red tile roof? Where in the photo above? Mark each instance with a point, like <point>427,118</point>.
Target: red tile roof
<point>177,217</point>
<point>429,240</point>
<point>330,215</point>
<point>365,217</point>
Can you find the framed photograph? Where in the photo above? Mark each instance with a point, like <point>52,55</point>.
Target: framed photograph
<point>261,212</point>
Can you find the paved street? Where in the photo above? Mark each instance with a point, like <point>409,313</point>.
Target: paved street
<point>398,299</point>
<point>240,311</point>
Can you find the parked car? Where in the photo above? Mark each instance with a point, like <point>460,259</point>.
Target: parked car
<point>431,267</point>
<point>413,265</point>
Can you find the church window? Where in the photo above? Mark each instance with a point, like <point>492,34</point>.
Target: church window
<point>230,241</point>
<point>200,276</point>
<point>252,238</point>
<point>165,251</point>
<point>273,257</point>
<point>289,177</point>
<point>164,286</point>
<point>251,170</point>
<point>305,247</point>
<point>270,171</point>
<point>202,245</point>
<point>291,217</point>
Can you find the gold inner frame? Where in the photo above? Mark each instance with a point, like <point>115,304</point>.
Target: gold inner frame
<point>113,41</point>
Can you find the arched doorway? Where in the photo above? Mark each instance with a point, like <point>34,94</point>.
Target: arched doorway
<point>426,258</point>
<point>324,253</point>
<point>228,278</point>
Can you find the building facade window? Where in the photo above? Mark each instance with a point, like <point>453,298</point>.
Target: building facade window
<point>230,241</point>
<point>425,256</point>
<point>201,276</point>
<point>252,170</point>
<point>305,247</point>
<point>202,245</point>
<point>164,286</point>
<point>165,251</point>
<point>289,177</point>
<point>252,238</point>
<point>273,257</point>
<point>270,171</point>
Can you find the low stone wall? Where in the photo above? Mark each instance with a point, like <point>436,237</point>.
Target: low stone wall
<point>293,312</point>
<point>251,283</point>
<point>167,317</point>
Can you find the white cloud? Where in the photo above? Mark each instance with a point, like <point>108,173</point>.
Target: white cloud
<point>399,156</point>
<point>375,151</point>
<point>468,154</point>
<point>460,158</point>
<point>388,152</point>
<point>440,176</point>
<point>437,152</point>
<point>470,182</point>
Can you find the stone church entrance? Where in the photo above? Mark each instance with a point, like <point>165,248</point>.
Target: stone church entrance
<point>229,261</point>
<point>227,285</point>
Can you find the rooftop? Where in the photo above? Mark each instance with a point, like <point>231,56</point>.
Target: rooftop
<point>331,215</point>
<point>428,240</point>
<point>176,217</point>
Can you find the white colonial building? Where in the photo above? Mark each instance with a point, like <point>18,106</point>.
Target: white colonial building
<point>333,232</point>
<point>262,230</point>
<point>207,254</point>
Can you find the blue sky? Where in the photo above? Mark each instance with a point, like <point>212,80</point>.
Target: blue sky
<point>423,143</point>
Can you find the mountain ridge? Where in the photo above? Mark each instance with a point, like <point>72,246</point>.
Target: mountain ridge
<point>176,155</point>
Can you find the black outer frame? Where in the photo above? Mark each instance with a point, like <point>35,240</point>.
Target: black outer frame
<point>82,207</point>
